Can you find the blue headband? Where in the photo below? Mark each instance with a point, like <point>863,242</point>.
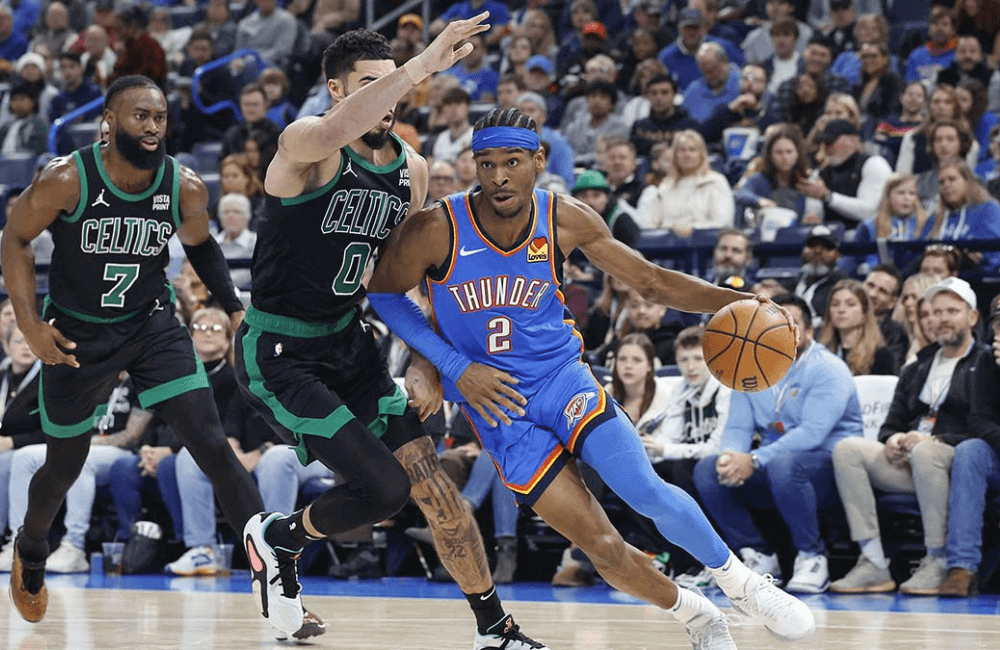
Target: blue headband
<point>493,137</point>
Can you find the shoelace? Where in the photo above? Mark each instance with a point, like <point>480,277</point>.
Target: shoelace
<point>703,636</point>
<point>514,634</point>
<point>771,599</point>
<point>288,573</point>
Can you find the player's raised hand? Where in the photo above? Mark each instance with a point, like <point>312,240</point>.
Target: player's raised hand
<point>47,343</point>
<point>784,312</point>
<point>441,53</point>
<point>489,391</point>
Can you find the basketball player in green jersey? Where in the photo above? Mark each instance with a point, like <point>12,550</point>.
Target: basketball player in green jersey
<point>306,360</point>
<point>111,208</point>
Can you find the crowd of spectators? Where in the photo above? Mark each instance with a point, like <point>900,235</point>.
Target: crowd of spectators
<point>826,125</point>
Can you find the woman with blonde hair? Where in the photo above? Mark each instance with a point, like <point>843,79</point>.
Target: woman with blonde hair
<point>538,28</point>
<point>966,211</point>
<point>838,106</point>
<point>692,196</point>
<point>914,153</point>
<point>907,311</point>
<point>900,217</point>
<point>851,331</point>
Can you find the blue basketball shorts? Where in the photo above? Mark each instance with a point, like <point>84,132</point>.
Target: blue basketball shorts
<point>530,452</point>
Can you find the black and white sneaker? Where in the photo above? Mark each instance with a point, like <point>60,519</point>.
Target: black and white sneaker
<point>275,576</point>
<point>511,638</point>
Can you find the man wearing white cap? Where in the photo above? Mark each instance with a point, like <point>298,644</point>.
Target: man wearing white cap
<point>928,417</point>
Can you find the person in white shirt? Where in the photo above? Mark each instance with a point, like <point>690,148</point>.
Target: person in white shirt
<point>236,240</point>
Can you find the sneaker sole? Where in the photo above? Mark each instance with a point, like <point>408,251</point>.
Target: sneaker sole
<point>920,592</point>
<point>880,588</point>
<point>31,607</point>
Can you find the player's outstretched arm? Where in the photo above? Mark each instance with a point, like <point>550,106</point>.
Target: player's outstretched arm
<point>201,248</point>
<point>581,227</point>
<point>312,139</point>
<point>54,191</point>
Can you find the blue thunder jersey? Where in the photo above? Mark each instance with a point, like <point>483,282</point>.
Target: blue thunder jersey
<point>504,308</point>
<point>111,252</point>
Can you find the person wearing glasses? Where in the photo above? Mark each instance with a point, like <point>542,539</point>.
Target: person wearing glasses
<point>746,110</point>
<point>879,88</point>
<point>212,334</point>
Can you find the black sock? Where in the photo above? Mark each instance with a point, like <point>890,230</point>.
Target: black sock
<point>288,533</point>
<point>30,549</point>
<point>488,610</point>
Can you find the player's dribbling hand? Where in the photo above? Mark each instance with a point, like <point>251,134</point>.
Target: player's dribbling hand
<point>488,391</point>
<point>441,53</point>
<point>423,387</point>
<point>46,342</point>
<point>784,312</point>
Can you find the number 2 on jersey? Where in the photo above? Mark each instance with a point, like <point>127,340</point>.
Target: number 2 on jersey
<point>499,338</point>
<point>124,276</point>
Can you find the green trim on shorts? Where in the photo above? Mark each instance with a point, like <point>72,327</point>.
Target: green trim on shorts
<point>277,324</point>
<point>394,404</point>
<point>325,427</point>
<point>86,318</point>
<point>174,387</point>
<point>49,427</point>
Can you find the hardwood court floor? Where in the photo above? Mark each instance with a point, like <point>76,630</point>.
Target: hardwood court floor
<point>187,616</point>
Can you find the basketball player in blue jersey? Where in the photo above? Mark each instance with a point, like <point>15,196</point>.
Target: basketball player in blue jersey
<point>307,361</point>
<point>111,209</point>
<point>490,259</point>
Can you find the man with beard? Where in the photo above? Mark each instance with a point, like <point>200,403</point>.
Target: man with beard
<point>111,208</point>
<point>851,181</point>
<point>731,260</point>
<point>820,255</point>
<point>306,360</point>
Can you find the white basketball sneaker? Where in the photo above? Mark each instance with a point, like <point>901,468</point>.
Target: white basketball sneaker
<point>275,576</point>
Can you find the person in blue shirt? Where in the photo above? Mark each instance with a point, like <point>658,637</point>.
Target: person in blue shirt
<point>925,62</point>
<point>499,17</point>
<point>718,85</point>
<point>799,422</point>
<point>76,92</point>
<point>679,57</point>
<point>12,42</point>
<point>477,77</point>
<point>785,163</point>
<point>900,217</point>
<point>967,212</point>
<point>561,158</point>
<point>972,98</point>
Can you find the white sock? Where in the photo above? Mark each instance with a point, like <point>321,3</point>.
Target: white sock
<point>872,549</point>
<point>690,605</point>
<point>732,576</point>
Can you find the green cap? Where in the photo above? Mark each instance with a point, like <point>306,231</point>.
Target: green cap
<point>591,180</point>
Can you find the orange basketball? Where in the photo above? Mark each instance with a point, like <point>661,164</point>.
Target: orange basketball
<point>749,345</point>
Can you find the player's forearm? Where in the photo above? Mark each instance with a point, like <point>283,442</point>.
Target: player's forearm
<point>18,262</point>
<point>406,320</point>
<point>685,292</point>
<point>356,114</point>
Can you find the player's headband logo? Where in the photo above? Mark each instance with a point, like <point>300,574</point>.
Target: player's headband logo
<point>493,137</point>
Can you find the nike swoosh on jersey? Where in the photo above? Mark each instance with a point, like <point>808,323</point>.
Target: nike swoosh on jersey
<point>465,253</point>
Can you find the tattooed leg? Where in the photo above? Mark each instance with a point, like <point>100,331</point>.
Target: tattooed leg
<point>456,535</point>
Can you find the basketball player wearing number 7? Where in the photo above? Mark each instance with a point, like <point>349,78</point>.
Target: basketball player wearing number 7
<point>505,349</point>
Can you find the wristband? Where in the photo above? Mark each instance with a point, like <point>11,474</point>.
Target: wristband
<point>209,263</point>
